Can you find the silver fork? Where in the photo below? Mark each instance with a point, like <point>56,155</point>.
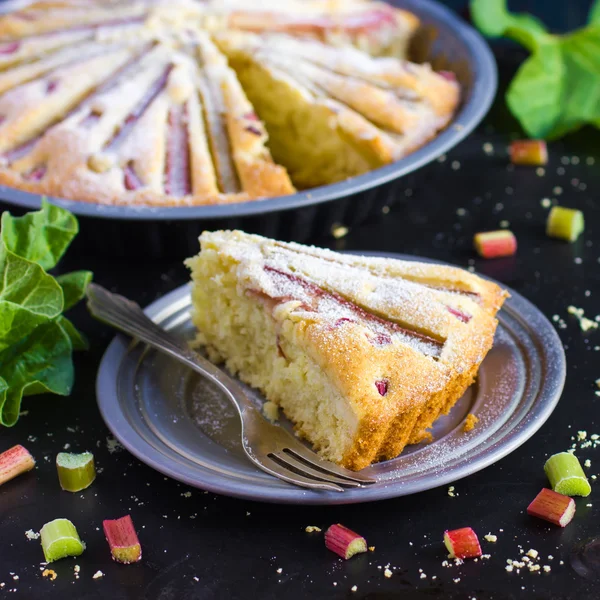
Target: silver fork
<point>268,446</point>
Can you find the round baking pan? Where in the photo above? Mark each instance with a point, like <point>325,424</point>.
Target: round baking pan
<point>444,40</point>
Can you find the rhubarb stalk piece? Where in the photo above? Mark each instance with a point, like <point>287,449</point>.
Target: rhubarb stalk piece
<point>123,540</point>
<point>344,542</point>
<point>529,152</point>
<point>565,223</point>
<point>552,507</point>
<point>462,543</point>
<point>495,244</point>
<point>566,475</point>
<point>13,462</point>
<point>76,472</point>
<point>60,539</point>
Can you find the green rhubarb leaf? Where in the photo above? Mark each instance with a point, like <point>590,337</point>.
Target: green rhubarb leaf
<point>29,297</point>
<point>594,16</point>
<point>42,236</point>
<point>557,90</point>
<point>536,93</point>
<point>74,286</point>
<point>493,19</point>
<point>36,340</point>
<point>37,364</point>
<point>78,340</point>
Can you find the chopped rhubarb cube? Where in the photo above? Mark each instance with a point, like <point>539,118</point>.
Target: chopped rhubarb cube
<point>382,386</point>
<point>495,244</point>
<point>344,542</point>
<point>529,152</point>
<point>565,223</point>
<point>51,86</point>
<point>14,462</point>
<point>462,543</point>
<point>123,540</point>
<point>552,507</point>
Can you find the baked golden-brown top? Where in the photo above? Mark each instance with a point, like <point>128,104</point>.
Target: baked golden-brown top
<point>133,103</point>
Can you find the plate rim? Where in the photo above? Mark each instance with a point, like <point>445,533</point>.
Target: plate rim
<point>541,409</point>
<point>470,114</point>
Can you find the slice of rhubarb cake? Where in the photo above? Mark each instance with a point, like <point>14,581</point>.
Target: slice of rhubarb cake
<point>362,354</point>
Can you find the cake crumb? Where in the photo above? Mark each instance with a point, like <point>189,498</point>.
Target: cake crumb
<point>271,411</point>
<point>470,422</point>
<point>31,535</point>
<point>371,548</point>
<point>451,492</point>
<point>490,537</point>
<point>280,570</point>
<point>547,568</point>
<point>584,323</point>
<point>339,231</point>
<point>312,529</point>
<point>354,588</point>
<point>50,574</point>
<point>97,575</point>
<point>387,573</point>
<point>587,463</point>
<point>533,553</point>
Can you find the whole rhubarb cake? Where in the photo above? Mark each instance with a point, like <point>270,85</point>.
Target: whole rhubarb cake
<point>190,102</point>
<point>361,354</point>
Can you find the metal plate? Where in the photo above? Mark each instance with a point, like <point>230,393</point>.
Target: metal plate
<point>179,424</point>
<point>445,40</point>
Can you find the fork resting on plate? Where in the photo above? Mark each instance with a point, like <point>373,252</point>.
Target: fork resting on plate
<point>269,446</point>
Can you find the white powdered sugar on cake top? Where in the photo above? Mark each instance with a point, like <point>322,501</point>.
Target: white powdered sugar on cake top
<point>280,278</point>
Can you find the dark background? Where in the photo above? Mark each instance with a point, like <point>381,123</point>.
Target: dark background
<point>234,548</point>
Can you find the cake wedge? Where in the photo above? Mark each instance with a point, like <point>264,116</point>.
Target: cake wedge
<point>361,354</point>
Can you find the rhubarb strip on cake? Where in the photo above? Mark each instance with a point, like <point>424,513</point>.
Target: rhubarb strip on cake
<point>361,359</point>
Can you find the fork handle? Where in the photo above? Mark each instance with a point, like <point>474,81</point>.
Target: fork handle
<point>127,316</point>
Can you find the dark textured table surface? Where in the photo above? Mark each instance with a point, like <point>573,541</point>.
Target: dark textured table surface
<point>197,545</point>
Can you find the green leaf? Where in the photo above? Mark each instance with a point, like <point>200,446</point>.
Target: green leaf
<point>36,340</point>
<point>493,19</point>
<point>29,297</point>
<point>557,90</point>
<point>535,94</point>
<point>594,16</point>
<point>73,286</point>
<point>78,340</point>
<point>39,363</point>
<point>581,99</point>
<point>42,236</point>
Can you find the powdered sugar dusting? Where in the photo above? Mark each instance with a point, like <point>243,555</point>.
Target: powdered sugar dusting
<point>285,286</point>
